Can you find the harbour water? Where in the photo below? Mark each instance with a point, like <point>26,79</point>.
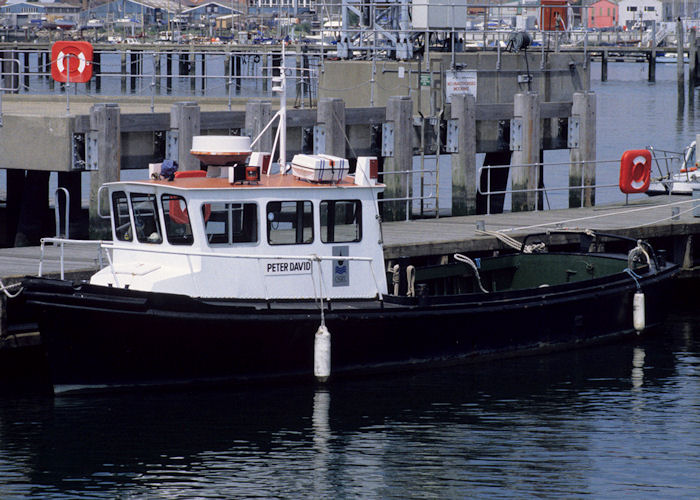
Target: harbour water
<point>616,420</point>
<point>604,421</point>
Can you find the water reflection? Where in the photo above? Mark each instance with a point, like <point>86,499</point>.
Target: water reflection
<point>638,367</point>
<point>567,423</point>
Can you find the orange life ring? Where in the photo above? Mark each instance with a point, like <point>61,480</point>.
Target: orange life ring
<point>177,213</point>
<point>635,171</point>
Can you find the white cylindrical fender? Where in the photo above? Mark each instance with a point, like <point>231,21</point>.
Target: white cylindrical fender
<point>322,354</point>
<point>638,312</point>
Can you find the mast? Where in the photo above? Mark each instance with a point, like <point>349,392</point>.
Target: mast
<point>283,112</point>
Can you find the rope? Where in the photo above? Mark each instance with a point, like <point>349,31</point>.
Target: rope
<point>504,238</point>
<point>395,278</point>
<point>635,277</point>
<point>624,212</point>
<point>411,279</point>
<point>534,247</point>
<point>638,250</point>
<point>466,260</point>
<point>317,259</point>
<point>6,289</point>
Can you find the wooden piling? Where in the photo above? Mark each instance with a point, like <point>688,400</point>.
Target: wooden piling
<point>185,119</point>
<point>157,70</point>
<point>192,69</point>
<point>134,57</point>
<point>692,59</point>
<point>123,70</point>
<point>257,116</point>
<point>237,61</point>
<point>227,70</point>
<point>399,111</point>
<point>464,162</point>
<point>97,70</point>
<point>526,111</point>
<point>583,157</point>
<point>331,113</point>
<point>105,121</point>
<point>680,43</point>
<point>169,72</point>
<point>604,66</point>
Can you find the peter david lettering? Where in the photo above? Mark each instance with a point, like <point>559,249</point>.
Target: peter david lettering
<point>289,267</point>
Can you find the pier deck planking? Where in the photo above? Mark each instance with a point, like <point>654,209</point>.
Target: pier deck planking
<point>643,218</point>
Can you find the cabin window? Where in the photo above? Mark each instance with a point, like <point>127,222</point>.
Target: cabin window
<point>145,209</point>
<point>177,223</point>
<point>120,212</point>
<point>290,222</point>
<point>341,221</point>
<point>231,223</point>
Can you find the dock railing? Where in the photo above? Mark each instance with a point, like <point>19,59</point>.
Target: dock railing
<point>106,246</point>
<point>664,163</point>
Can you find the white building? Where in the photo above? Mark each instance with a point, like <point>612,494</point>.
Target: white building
<point>635,11</point>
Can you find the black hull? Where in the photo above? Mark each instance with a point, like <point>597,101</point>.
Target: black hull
<point>103,337</point>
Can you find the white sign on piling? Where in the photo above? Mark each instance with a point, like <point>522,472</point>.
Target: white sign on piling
<point>459,82</point>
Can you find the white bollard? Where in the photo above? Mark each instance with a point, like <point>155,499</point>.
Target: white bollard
<point>322,354</point>
<point>638,313</point>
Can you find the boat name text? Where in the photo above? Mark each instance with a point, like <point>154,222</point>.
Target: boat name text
<point>290,267</point>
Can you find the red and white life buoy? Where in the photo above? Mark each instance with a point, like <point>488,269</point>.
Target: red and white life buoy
<point>635,171</point>
<point>71,61</point>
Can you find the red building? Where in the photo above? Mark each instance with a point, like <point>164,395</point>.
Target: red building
<point>603,14</point>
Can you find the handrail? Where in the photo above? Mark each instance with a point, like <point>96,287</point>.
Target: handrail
<point>99,203</point>
<point>62,242</point>
<point>434,195</point>
<point>57,213</point>
<point>110,245</point>
<point>488,192</point>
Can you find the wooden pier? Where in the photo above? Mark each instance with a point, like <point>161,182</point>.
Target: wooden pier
<point>668,222</point>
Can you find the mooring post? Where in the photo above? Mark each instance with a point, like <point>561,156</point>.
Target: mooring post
<point>331,113</point>
<point>123,68</point>
<point>651,56</point>
<point>583,150</point>
<point>157,70</point>
<point>680,42</point>
<point>464,161</point>
<point>692,59</point>
<point>526,135</point>
<point>192,68</point>
<point>604,66</point>
<point>257,115</point>
<point>185,119</point>
<point>168,71</point>
<point>399,162</point>
<point>105,121</point>
<point>97,70</point>
<point>227,69</point>
<point>203,61</point>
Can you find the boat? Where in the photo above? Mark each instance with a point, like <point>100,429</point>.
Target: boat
<point>94,24</point>
<point>65,24</point>
<point>255,271</point>
<point>677,173</point>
